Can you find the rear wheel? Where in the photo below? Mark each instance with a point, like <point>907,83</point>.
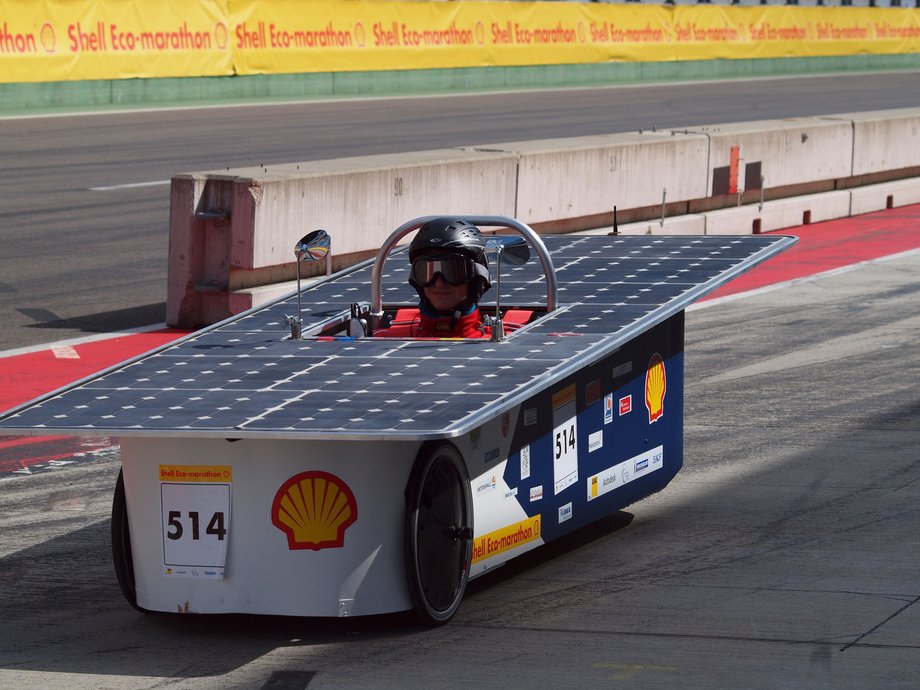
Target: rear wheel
<point>438,532</point>
<point>121,544</point>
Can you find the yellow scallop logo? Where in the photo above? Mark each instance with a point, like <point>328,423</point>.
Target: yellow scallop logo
<point>314,509</point>
<point>655,387</point>
<point>220,35</point>
<point>49,40</point>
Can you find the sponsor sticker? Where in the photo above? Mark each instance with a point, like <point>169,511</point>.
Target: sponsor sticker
<point>525,462</point>
<point>655,388</point>
<point>565,439</point>
<point>592,392</point>
<point>626,404</point>
<point>196,473</point>
<point>595,441</point>
<point>485,486</point>
<point>314,509</point>
<point>512,493</point>
<point>530,416</point>
<point>622,473</point>
<point>501,540</point>
<point>564,397</point>
<point>622,369</point>
<point>536,493</point>
<point>608,408</point>
<point>565,512</point>
<point>195,519</point>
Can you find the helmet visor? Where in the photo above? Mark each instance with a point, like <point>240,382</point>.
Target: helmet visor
<point>454,269</point>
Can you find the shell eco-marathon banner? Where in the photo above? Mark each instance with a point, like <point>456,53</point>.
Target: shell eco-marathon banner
<point>57,40</point>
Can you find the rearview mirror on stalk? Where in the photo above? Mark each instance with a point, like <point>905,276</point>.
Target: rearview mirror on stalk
<point>517,252</point>
<point>314,246</point>
<point>511,247</point>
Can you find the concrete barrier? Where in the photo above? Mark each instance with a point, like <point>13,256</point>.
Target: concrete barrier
<point>885,140</point>
<point>236,230</point>
<point>778,214</point>
<point>232,233</point>
<point>780,153</point>
<point>569,179</point>
<point>876,197</point>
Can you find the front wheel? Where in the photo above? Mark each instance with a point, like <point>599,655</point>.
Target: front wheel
<point>438,532</point>
<point>121,544</point>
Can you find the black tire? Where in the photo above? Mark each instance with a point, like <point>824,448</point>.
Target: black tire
<point>121,545</point>
<point>438,532</point>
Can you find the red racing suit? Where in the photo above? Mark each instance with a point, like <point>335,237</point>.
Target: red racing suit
<point>413,323</point>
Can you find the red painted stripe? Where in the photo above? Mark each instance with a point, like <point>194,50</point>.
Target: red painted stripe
<point>834,244</point>
<point>19,452</point>
<point>24,377</point>
<point>14,441</point>
<point>13,464</point>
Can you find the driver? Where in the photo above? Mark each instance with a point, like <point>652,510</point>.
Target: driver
<point>450,272</point>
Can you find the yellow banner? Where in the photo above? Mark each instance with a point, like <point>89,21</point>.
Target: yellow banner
<point>54,40</point>
<point>58,40</point>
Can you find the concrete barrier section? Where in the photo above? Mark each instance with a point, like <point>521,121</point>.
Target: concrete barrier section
<point>876,197</point>
<point>885,140</point>
<point>561,179</point>
<point>782,152</point>
<point>778,214</point>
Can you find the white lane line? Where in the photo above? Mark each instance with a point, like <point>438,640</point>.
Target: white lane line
<point>79,341</point>
<point>65,352</point>
<point>155,183</point>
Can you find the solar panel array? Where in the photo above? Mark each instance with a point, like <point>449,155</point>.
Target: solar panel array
<point>247,378</point>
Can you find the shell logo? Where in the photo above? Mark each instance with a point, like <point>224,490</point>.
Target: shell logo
<point>655,387</point>
<point>220,35</point>
<point>48,37</point>
<point>314,509</point>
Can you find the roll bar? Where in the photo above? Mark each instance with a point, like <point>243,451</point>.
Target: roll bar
<point>480,221</point>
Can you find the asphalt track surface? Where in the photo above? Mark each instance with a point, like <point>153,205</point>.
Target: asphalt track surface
<point>83,251</point>
<point>783,556</point>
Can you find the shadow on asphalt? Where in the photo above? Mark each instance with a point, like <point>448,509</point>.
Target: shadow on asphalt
<point>60,587</point>
<point>101,322</point>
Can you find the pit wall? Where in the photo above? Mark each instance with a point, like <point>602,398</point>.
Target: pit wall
<point>232,233</point>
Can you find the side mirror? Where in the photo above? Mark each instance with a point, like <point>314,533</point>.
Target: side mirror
<point>511,247</point>
<point>314,246</point>
<point>516,250</point>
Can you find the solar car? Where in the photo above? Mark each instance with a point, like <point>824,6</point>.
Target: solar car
<point>288,462</point>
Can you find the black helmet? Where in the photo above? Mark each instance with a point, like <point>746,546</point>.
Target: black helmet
<point>456,236</point>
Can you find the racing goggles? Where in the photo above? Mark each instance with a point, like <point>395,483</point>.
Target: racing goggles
<point>454,269</point>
